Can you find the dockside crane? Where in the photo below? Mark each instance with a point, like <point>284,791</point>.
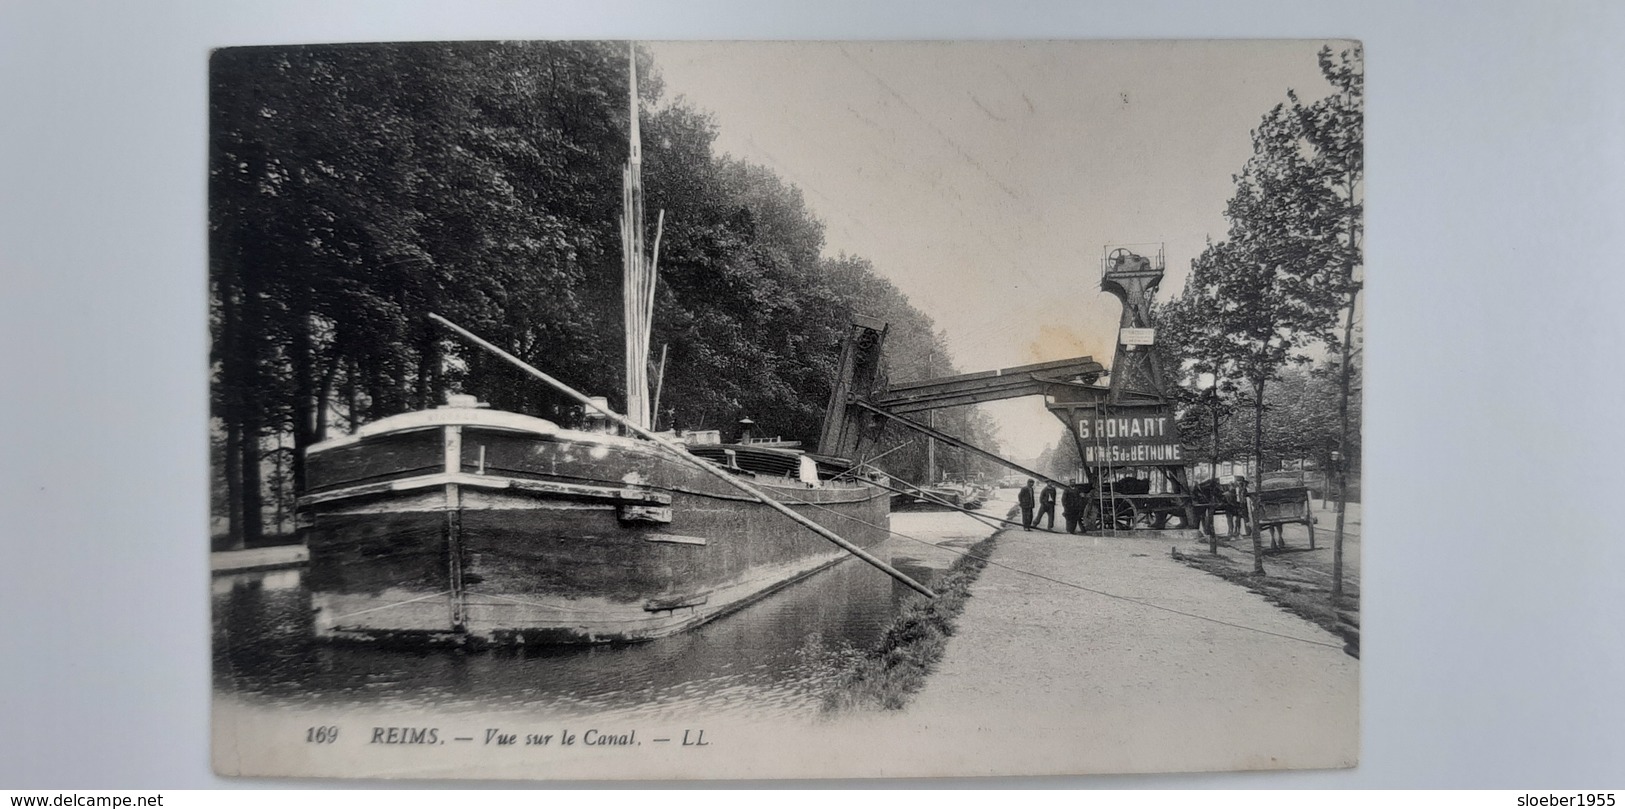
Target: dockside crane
<point>1128,423</point>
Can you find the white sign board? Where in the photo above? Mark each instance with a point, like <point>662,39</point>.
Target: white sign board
<point>1137,337</point>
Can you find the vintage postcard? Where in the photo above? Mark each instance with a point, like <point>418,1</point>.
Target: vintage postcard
<point>722,410</point>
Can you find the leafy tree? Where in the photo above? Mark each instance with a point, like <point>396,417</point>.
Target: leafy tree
<point>1334,127</point>
<point>1300,421</point>
<point>1288,271</point>
<point>1265,303</point>
<point>1061,459</point>
<point>355,188</point>
<point>1204,391</point>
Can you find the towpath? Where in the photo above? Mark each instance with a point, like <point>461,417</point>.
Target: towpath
<point>1151,666</point>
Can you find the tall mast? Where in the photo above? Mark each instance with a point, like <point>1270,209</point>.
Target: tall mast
<point>635,155</point>
<point>638,276</point>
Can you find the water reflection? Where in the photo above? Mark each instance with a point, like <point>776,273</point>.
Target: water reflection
<point>774,658</point>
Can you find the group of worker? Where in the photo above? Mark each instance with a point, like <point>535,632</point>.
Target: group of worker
<point>1210,498</point>
<point>1072,506</point>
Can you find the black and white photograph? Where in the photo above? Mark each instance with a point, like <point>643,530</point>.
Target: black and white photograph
<point>604,409</point>
<point>735,397</point>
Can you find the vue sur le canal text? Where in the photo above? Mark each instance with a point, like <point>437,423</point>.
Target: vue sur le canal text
<point>500,737</point>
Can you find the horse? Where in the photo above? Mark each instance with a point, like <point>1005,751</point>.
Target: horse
<point>1213,498</point>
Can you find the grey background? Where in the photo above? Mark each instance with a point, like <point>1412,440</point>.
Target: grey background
<point>1495,642</point>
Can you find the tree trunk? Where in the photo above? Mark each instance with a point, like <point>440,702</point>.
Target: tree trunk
<point>352,396</point>
<point>234,484</point>
<point>324,394</point>
<point>378,392</point>
<point>1214,466</point>
<point>253,496</point>
<point>304,384</point>
<point>1343,397</point>
<point>428,376</point>
<point>1343,464</point>
<point>1258,471</point>
<point>250,333</point>
<point>1211,521</point>
<point>230,398</point>
<point>278,493</point>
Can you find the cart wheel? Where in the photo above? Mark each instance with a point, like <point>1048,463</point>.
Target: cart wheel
<point>1123,515</point>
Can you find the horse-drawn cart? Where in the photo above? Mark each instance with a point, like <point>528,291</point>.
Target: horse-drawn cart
<point>1276,507</point>
<point>1128,504</point>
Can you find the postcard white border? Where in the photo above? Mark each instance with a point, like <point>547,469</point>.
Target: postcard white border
<point>1494,153</point>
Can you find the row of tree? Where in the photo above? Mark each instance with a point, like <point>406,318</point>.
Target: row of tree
<point>1300,421</point>
<point>354,189</point>
<point>1281,290</point>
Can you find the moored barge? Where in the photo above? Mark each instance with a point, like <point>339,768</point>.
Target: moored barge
<point>470,525</point>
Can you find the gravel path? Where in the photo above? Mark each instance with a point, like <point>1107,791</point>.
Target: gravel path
<point>1089,683</point>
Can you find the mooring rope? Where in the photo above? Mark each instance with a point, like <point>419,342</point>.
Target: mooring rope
<point>393,538</point>
<point>338,618</point>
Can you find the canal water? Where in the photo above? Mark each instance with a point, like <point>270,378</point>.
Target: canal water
<point>775,658</point>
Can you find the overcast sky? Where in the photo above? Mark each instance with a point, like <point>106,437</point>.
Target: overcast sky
<point>985,178</point>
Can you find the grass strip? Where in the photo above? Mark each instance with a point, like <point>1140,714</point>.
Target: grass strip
<point>896,668</point>
<point>1309,601</point>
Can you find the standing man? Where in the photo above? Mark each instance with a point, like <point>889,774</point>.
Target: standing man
<point>1243,506</point>
<point>1025,498</point>
<point>1072,508</point>
<point>1046,505</point>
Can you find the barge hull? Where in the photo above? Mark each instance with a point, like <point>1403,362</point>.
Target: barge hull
<point>552,538</point>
